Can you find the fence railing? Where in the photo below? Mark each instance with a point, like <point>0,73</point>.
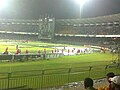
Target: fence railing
<point>49,78</point>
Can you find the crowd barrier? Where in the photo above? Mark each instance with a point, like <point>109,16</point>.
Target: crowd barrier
<point>22,57</point>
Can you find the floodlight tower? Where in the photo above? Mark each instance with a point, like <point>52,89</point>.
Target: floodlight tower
<point>81,4</point>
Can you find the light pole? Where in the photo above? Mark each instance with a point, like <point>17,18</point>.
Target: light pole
<point>81,4</point>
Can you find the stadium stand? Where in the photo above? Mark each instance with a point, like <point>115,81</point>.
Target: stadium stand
<point>101,31</point>
<point>98,30</point>
<point>12,36</point>
<point>85,30</point>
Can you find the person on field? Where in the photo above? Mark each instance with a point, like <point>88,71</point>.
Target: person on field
<point>44,55</point>
<point>68,51</point>
<point>26,52</point>
<point>62,51</point>
<point>45,51</point>
<point>6,51</point>
<point>88,84</point>
<point>16,47</point>
<point>52,51</point>
<point>18,51</point>
<point>39,53</point>
<point>57,50</point>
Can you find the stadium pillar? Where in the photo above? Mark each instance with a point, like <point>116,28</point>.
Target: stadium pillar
<point>53,30</point>
<point>46,28</point>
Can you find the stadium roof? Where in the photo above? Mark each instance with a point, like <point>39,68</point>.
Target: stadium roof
<point>103,19</point>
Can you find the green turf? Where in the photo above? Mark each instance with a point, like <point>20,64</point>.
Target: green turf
<point>62,62</point>
<point>56,70</point>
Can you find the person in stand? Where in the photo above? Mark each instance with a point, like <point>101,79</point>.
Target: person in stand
<point>88,84</point>
<point>115,83</point>
<point>108,76</point>
<point>109,87</point>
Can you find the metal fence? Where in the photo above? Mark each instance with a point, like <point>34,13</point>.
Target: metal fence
<point>53,78</point>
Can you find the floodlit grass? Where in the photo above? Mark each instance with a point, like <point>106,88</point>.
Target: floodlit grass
<point>62,62</point>
<point>78,66</point>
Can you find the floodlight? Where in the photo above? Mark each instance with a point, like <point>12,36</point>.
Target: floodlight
<point>3,4</point>
<point>81,2</point>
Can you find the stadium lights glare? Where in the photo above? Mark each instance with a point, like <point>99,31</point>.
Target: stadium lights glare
<point>3,4</point>
<point>81,2</point>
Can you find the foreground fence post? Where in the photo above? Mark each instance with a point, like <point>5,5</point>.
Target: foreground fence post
<point>106,67</point>
<point>69,70</point>
<point>117,68</point>
<point>90,68</point>
<point>43,71</point>
<point>9,75</point>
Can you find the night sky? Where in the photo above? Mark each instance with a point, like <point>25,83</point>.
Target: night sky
<point>61,9</point>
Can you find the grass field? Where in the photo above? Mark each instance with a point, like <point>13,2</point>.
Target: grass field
<point>67,61</point>
<point>62,62</point>
<point>78,64</point>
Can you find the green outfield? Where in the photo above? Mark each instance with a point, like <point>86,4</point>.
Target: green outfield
<point>77,64</point>
<point>62,62</point>
<point>66,61</point>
